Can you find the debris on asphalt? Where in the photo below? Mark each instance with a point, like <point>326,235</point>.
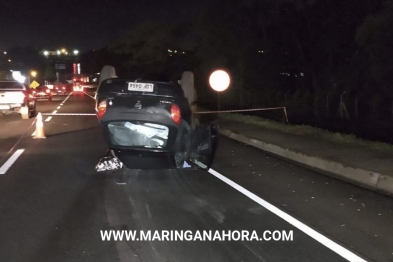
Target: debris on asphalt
<point>109,162</point>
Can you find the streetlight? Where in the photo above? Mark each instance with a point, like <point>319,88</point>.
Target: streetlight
<point>76,52</point>
<point>219,81</point>
<point>33,73</point>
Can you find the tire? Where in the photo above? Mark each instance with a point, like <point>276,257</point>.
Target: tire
<point>33,113</point>
<point>106,73</point>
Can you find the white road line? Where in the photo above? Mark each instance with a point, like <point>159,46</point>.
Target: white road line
<point>48,119</point>
<point>345,253</point>
<point>89,95</point>
<point>54,112</point>
<point>67,97</point>
<point>10,161</point>
<point>58,107</point>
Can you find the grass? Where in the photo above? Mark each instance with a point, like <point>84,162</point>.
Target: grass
<point>347,139</point>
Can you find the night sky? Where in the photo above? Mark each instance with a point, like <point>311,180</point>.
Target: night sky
<point>83,25</point>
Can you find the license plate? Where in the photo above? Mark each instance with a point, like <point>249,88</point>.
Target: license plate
<point>4,107</point>
<point>140,87</point>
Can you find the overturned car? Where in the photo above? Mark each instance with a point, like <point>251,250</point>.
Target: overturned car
<point>149,125</point>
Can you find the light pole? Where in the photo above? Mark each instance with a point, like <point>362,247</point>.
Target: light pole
<point>33,73</point>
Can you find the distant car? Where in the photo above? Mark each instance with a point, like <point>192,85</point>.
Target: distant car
<point>78,87</point>
<point>17,98</point>
<point>60,90</point>
<point>143,120</point>
<point>43,93</point>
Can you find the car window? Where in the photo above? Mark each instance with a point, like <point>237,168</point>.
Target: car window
<point>11,86</point>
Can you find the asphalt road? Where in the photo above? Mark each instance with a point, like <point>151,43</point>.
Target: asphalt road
<point>53,205</point>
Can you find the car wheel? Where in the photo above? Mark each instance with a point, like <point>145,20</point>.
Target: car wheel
<point>33,112</point>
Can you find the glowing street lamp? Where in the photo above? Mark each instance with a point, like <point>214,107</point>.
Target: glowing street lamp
<point>219,81</point>
<point>76,52</point>
<point>33,73</point>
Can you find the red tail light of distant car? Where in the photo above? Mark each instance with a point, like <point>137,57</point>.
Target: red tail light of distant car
<point>176,114</point>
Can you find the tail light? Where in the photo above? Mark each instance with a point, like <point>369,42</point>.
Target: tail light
<point>176,114</point>
<point>101,109</point>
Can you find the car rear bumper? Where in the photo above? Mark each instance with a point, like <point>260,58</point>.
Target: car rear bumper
<point>10,106</point>
<point>76,89</point>
<point>46,96</point>
<point>15,107</point>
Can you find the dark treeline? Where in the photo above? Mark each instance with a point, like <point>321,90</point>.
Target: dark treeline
<point>328,62</point>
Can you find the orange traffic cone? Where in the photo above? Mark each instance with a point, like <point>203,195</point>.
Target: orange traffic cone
<point>39,127</point>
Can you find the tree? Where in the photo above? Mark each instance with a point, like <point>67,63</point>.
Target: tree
<point>376,37</point>
<point>94,61</point>
<point>148,48</point>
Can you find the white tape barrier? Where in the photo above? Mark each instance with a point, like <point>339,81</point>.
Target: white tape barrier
<point>69,114</point>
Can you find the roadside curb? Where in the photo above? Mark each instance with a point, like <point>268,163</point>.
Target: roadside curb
<point>364,178</point>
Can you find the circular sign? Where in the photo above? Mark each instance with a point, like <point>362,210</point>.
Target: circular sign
<point>219,80</point>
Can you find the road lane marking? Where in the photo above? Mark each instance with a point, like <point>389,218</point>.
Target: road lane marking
<point>47,120</point>
<point>17,142</point>
<point>67,97</point>
<point>58,107</point>
<point>345,253</point>
<point>11,161</point>
<point>89,95</point>
<point>54,112</point>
